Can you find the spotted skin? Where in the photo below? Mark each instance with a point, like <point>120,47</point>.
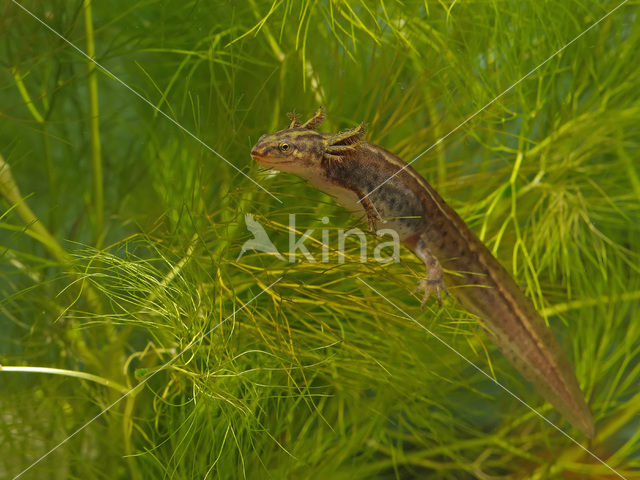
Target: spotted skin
<point>351,170</point>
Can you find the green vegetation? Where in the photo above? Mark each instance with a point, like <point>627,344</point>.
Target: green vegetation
<point>119,235</point>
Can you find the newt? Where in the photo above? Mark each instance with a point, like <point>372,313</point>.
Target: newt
<point>374,183</point>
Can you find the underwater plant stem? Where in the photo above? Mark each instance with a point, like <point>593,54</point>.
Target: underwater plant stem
<point>68,373</point>
<point>94,126</point>
<point>264,26</point>
<point>127,430</point>
<point>629,165</point>
<point>38,117</point>
<point>434,119</point>
<point>603,435</point>
<point>9,189</point>
<point>24,93</point>
<point>590,302</point>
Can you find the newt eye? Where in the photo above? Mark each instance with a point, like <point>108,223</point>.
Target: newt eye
<point>284,147</point>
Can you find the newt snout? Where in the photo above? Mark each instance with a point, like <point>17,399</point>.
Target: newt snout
<point>255,151</point>
<point>258,149</point>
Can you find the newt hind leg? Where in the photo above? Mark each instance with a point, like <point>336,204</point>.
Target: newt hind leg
<point>433,282</point>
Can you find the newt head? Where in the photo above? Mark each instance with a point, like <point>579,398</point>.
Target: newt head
<point>297,150</point>
<point>300,149</point>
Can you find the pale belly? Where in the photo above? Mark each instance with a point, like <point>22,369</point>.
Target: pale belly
<point>404,225</point>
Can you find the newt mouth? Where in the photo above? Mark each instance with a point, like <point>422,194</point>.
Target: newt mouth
<point>260,156</point>
<point>255,152</point>
<point>261,159</point>
<point>264,159</point>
